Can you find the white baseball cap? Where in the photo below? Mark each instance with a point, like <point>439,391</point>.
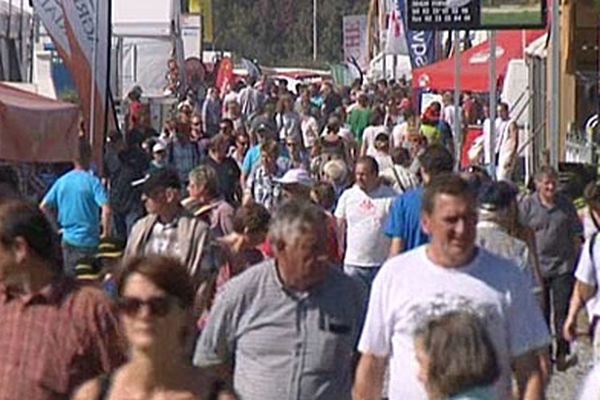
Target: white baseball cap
<point>159,146</point>
<point>296,175</point>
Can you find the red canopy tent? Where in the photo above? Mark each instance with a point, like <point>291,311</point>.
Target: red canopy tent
<point>475,64</point>
<point>34,128</point>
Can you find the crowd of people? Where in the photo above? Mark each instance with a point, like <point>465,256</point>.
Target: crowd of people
<point>271,245</point>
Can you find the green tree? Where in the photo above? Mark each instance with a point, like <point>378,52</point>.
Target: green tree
<point>279,32</point>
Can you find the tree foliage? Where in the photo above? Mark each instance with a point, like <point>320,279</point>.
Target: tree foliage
<point>279,32</point>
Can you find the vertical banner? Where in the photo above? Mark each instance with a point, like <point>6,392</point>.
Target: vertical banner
<point>80,30</point>
<point>395,42</point>
<point>421,44</point>
<point>384,8</point>
<point>51,14</point>
<point>356,40</point>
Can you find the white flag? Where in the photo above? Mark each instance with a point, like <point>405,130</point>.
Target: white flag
<point>395,42</point>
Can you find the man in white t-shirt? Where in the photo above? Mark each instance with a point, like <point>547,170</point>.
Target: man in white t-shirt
<point>361,213</point>
<point>506,144</point>
<point>448,274</point>
<point>585,292</point>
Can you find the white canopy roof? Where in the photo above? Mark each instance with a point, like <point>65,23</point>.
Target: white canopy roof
<point>144,18</point>
<point>538,48</point>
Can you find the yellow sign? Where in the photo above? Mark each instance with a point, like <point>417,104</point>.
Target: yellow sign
<point>204,8</point>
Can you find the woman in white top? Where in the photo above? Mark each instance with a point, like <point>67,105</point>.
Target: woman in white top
<point>590,214</point>
<point>370,133</point>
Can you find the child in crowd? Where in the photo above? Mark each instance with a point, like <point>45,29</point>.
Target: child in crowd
<point>457,360</point>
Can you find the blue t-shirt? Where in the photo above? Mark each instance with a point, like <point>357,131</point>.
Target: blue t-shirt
<point>404,221</point>
<point>252,158</point>
<point>76,196</point>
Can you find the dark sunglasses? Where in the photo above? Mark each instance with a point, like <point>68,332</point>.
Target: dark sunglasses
<point>242,143</point>
<point>157,306</point>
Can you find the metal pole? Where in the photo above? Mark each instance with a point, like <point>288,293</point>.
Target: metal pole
<point>315,30</point>
<point>457,118</point>
<point>493,101</point>
<point>555,94</point>
<point>93,78</point>
<point>22,59</point>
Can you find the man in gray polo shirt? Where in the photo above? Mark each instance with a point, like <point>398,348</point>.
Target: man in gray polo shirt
<point>558,233</point>
<point>289,325</point>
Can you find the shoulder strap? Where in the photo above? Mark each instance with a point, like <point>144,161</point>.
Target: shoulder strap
<point>591,249</point>
<point>398,179</point>
<point>170,153</point>
<point>594,221</point>
<point>105,383</point>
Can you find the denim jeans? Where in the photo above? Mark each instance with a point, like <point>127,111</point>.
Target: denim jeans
<point>72,255</point>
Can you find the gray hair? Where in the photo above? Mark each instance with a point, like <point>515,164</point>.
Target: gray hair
<point>206,177</point>
<point>294,218</point>
<point>545,171</point>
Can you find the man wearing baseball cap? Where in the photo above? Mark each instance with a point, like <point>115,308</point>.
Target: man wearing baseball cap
<point>296,184</point>
<point>169,229</point>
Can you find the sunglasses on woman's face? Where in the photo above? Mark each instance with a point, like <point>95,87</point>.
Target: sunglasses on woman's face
<point>242,143</point>
<point>157,306</point>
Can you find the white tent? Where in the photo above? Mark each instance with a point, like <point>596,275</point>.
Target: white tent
<point>15,24</point>
<point>146,34</point>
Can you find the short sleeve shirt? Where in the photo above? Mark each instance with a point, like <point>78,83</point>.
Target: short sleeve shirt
<point>588,272</point>
<point>286,345</point>
<point>365,215</point>
<point>77,196</point>
<point>555,231</point>
<point>404,221</point>
<point>410,289</point>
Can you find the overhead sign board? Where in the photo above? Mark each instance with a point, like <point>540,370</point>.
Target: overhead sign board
<point>476,14</point>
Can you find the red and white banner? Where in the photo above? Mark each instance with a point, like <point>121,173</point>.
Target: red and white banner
<point>356,39</point>
<point>395,42</point>
<point>80,31</point>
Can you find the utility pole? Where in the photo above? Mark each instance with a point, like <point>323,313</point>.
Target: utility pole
<point>315,30</point>
<point>555,133</point>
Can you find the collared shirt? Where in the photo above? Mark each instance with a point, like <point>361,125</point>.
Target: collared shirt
<point>217,213</point>
<point>401,178</point>
<point>265,190</point>
<point>164,239</point>
<point>184,157</point>
<point>53,341</point>
<point>555,231</point>
<point>286,345</point>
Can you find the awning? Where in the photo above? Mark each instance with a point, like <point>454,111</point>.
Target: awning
<point>35,128</point>
<point>475,64</point>
<point>539,47</point>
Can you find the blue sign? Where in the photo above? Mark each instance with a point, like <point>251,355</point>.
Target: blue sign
<point>421,44</point>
